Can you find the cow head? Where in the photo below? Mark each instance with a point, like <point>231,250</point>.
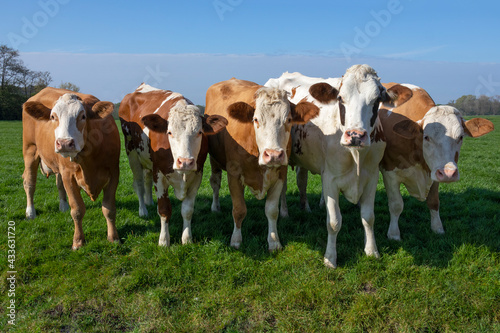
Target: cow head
<point>272,117</point>
<point>69,116</point>
<point>184,128</point>
<point>358,99</point>
<point>441,132</point>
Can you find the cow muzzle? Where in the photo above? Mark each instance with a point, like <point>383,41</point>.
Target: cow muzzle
<point>447,174</point>
<point>185,164</point>
<point>273,157</point>
<point>355,138</point>
<point>66,147</point>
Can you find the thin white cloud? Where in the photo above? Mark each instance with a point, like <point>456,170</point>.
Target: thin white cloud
<point>417,52</point>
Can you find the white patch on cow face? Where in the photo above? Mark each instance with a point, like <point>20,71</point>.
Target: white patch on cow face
<point>70,116</point>
<point>272,124</point>
<point>185,135</point>
<point>442,140</point>
<point>359,100</point>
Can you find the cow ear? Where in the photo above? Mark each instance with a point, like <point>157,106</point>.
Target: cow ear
<point>155,123</point>
<point>323,92</point>
<point>407,129</point>
<point>395,96</point>
<point>241,111</point>
<point>37,110</point>
<point>101,110</point>
<point>303,112</point>
<point>213,124</point>
<point>477,127</point>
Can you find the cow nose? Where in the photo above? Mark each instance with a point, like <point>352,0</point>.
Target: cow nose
<point>273,156</point>
<point>65,145</point>
<point>355,138</point>
<point>185,163</point>
<point>447,174</point>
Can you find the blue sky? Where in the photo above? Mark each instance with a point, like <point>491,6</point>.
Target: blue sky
<point>108,48</point>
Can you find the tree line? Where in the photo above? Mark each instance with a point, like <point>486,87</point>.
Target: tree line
<point>18,83</point>
<point>472,105</point>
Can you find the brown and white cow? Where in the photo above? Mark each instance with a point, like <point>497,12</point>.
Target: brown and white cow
<point>75,137</point>
<point>343,144</point>
<point>166,143</point>
<point>423,145</point>
<point>255,147</point>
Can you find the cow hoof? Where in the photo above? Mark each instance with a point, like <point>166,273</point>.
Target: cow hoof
<point>438,231</point>
<point>275,247</point>
<point>394,237</point>
<point>371,253</point>
<point>284,213</point>
<point>328,263</point>
<point>163,242</point>
<point>143,212</point>
<point>77,245</point>
<point>30,213</point>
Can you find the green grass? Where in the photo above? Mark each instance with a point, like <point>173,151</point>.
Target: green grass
<point>426,283</point>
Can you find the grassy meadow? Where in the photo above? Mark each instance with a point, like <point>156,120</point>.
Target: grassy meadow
<point>425,283</point>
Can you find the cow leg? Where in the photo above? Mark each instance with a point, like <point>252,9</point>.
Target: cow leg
<point>272,210</point>
<point>433,204</point>
<point>31,162</point>
<point>321,200</point>
<point>148,187</point>
<point>283,204</point>
<point>188,208</point>
<point>302,174</point>
<point>333,220</point>
<point>138,173</point>
<point>367,203</point>
<point>165,212</point>
<point>63,201</point>
<point>395,201</point>
<point>109,208</point>
<point>236,189</point>
<point>215,180</point>
<point>77,209</point>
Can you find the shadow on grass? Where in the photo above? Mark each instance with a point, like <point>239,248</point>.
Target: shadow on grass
<point>468,217</point>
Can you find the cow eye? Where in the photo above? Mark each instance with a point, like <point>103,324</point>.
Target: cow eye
<point>83,117</point>
<point>200,133</point>
<point>256,121</point>
<point>460,138</point>
<point>169,133</point>
<point>426,138</point>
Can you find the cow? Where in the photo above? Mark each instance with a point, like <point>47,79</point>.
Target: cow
<point>75,137</point>
<point>166,144</point>
<point>344,143</point>
<point>254,148</point>
<point>423,145</point>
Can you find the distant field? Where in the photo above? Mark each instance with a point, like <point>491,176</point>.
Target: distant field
<point>426,283</point>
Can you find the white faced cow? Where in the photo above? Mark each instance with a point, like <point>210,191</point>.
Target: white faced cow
<point>423,145</point>
<point>73,136</point>
<point>343,143</point>
<point>166,140</point>
<point>254,148</point>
